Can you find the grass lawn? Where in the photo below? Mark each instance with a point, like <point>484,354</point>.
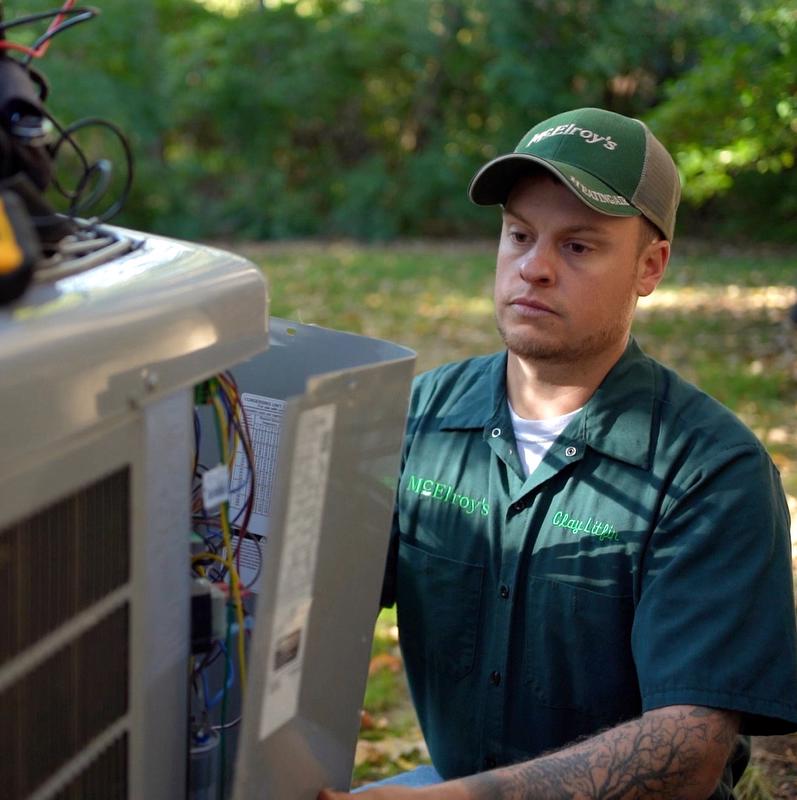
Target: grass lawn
<point>720,318</point>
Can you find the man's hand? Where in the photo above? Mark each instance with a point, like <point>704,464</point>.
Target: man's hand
<point>676,751</point>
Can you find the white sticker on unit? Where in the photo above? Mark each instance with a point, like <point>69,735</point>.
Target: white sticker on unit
<point>215,487</point>
<point>264,418</point>
<point>299,556</point>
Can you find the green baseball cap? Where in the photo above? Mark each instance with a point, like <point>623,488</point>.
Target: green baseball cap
<point>612,163</point>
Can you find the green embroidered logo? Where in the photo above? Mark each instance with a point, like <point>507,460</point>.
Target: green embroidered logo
<point>604,531</point>
<point>445,493</point>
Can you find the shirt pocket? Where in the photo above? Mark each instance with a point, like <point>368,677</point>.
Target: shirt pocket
<point>577,652</point>
<point>439,604</point>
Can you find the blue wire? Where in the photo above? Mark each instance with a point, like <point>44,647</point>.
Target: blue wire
<point>216,699</point>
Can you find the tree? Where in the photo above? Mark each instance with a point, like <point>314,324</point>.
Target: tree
<point>732,119</point>
<point>368,117</point>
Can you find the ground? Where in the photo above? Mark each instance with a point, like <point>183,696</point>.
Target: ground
<point>775,763</point>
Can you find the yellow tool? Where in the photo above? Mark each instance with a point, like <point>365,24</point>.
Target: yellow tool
<point>19,247</point>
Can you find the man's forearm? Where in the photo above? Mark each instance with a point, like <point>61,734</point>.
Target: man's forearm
<point>672,752</point>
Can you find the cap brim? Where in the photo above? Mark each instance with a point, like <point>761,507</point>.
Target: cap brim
<point>493,182</point>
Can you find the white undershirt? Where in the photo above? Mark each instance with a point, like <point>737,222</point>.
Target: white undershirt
<point>534,437</point>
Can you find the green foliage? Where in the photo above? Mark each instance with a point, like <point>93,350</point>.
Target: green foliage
<point>732,120</point>
<point>754,785</point>
<point>367,118</point>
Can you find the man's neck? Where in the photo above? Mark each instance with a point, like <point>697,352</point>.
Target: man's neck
<point>545,389</point>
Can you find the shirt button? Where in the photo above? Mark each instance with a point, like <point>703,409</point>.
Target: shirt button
<point>495,678</point>
<point>570,452</point>
<point>495,433</point>
<point>490,762</point>
<point>503,591</point>
<point>519,506</point>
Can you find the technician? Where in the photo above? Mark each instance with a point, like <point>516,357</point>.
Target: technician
<point>591,557</point>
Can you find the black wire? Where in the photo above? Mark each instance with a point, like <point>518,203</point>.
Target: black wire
<point>210,658</point>
<point>245,436</point>
<point>248,452</point>
<point>78,205</point>
<point>40,15</point>
<point>84,15</point>
<point>197,439</point>
<point>53,149</point>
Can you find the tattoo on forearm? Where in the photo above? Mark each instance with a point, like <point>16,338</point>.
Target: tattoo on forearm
<point>658,755</point>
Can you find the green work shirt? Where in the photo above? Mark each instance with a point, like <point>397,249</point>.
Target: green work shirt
<point>645,563</point>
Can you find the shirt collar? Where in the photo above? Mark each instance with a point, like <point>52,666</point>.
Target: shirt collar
<point>483,401</point>
<point>616,420</point>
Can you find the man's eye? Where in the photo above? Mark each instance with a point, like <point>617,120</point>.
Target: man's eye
<point>518,238</point>
<point>577,248</point>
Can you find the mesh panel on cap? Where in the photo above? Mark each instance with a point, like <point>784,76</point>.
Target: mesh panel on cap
<point>659,188</point>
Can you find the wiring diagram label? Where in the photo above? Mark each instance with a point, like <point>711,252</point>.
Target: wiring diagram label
<point>305,507</point>
<point>249,560</point>
<point>264,417</point>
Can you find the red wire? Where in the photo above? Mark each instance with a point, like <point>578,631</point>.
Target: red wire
<point>39,51</point>
<point>6,45</point>
<point>53,25</point>
<point>231,386</point>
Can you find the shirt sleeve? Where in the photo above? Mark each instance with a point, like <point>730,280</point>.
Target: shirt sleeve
<point>715,617</point>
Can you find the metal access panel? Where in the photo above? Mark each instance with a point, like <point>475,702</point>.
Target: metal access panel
<point>96,377</point>
<point>327,526</point>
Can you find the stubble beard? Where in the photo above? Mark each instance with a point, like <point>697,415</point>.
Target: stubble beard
<point>523,342</point>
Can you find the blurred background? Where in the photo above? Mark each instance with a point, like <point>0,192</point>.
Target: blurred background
<point>366,118</point>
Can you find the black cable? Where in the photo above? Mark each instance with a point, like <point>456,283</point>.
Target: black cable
<point>84,15</point>
<point>53,149</point>
<point>78,205</point>
<point>197,440</point>
<point>40,15</point>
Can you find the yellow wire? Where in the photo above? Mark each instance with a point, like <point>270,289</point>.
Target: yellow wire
<point>238,412</point>
<point>219,408</point>
<point>235,405</point>
<point>235,587</point>
<point>235,583</point>
<point>207,556</point>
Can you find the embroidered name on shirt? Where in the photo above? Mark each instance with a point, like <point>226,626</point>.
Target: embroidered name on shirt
<point>604,531</point>
<point>446,493</point>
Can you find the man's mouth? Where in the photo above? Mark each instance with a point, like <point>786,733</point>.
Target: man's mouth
<point>529,306</point>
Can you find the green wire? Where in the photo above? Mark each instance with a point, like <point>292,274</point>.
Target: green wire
<point>214,388</point>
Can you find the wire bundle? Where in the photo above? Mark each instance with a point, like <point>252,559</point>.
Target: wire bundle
<point>94,178</point>
<point>220,559</point>
<point>62,18</point>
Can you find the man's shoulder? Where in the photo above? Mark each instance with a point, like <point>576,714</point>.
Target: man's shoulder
<point>470,386</point>
<point>458,376</point>
<point>688,411</point>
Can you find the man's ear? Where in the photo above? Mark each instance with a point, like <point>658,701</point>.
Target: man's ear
<point>651,266</point>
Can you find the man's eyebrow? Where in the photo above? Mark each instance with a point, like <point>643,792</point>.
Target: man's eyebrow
<point>599,230</point>
<point>569,230</point>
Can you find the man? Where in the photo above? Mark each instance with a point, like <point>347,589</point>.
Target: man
<point>591,557</point>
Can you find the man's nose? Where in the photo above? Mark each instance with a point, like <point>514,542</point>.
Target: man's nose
<point>538,265</point>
